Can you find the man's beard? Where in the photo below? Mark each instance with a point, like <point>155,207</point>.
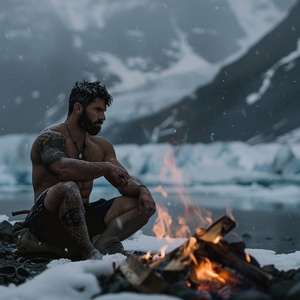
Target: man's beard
<point>92,128</point>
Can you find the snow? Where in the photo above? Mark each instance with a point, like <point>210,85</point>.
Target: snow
<point>266,15</point>
<point>66,280</point>
<point>288,60</point>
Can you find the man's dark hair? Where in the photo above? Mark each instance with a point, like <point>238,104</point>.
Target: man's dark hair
<point>86,92</point>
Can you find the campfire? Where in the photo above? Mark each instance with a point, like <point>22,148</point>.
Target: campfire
<point>205,266</point>
<point>204,262</point>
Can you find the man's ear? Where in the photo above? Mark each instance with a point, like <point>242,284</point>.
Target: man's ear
<point>78,108</point>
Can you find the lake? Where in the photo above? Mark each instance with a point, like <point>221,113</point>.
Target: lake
<point>260,224</point>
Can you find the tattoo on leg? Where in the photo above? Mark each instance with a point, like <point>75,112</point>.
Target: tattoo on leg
<point>73,218</point>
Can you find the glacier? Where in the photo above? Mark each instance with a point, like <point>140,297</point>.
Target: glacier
<point>235,170</point>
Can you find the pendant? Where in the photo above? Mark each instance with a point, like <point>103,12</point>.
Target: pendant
<point>80,155</point>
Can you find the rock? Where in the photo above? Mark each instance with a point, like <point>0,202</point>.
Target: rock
<point>6,231</point>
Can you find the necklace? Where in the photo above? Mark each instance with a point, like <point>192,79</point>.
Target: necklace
<point>80,153</point>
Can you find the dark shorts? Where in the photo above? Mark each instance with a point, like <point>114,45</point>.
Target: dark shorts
<point>47,226</point>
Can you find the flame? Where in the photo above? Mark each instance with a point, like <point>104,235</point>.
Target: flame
<point>161,255</point>
<point>164,226</point>
<point>184,229</point>
<point>217,239</point>
<point>248,258</point>
<point>163,251</point>
<point>192,241</point>
<point>208,275</point>
<point>160,189</point>
<point>229,213</point>
<point>203,272</point>
<point>206,271</point>
<point>146,256</point>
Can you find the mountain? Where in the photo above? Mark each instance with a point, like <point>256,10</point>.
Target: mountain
<point>149,54</point>
<point>253,99</point>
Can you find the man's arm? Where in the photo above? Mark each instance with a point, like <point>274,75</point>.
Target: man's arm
<point>51,146</point>
<point>132,187</point>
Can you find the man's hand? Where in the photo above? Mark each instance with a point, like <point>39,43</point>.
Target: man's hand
<point>117,175</point>
<point>147,204</point>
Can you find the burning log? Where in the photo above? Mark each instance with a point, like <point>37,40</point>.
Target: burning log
<point>142,278</point>
<point>228,263</point>
<point>215,232</point>
<point>225,255</point>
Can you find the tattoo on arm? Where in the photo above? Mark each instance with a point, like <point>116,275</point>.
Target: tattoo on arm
<point>51,146</point>
<point>73,218</point>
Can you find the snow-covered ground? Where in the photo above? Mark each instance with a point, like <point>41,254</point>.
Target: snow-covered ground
<point>66,280</point>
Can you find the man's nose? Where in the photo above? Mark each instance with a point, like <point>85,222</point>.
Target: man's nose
<point>102,117</point>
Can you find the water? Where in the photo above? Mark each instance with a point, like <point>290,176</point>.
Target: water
<point>260,224</point>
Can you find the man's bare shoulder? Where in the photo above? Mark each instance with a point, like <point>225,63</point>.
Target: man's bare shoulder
<point>50,136</point>
<point>49,147</point>
<point>102,143</point>
<point>99,139</point>
<point>53,129</point>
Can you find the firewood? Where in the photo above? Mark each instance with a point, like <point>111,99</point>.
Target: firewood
<point>174,258</point>
<point>224,255</point>
<point>207,244</point>
<point>142,278</point>
<point>218,229</point>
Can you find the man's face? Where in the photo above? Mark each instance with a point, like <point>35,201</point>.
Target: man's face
<point>93,117</point>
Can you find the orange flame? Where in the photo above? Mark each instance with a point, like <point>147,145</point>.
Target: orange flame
<point>248,258</point>
<point>164,225</point>
<point>208,275</point>
<point>206,271</point>
<point>160,189</point>
<point>217,239</point>
<point>146,256</point>
<point>183,230</point>
<point>162,253</point>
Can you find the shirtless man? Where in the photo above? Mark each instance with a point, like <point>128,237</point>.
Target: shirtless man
<point>66,158</point>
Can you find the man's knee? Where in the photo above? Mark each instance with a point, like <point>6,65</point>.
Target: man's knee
<point>63,191</point>
<point>139,216</point>
<point>67,188</point>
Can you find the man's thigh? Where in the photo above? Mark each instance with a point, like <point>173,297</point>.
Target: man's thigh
<point>121,206</point>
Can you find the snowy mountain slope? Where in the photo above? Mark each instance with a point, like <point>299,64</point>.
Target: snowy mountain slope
<point>149,54</point>
<point>255,98</point>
